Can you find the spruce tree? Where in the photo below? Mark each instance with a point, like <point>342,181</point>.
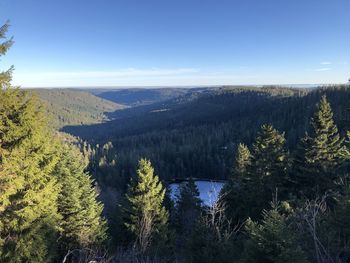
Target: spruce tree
<point>269,168</point>
<point>146,216</point>
<point>272,240</point>
<point>82,223</point>
<point>188,211</point>
<point>321,153</point>
<point>265,172</point>
<point>28,189</point>
<point>233,189</point>
<point>5,76</point>
<point>270,158</point>
<point>242,162</point>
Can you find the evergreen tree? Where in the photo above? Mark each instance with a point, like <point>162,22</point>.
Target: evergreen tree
<point>5,76</point>
<point>270,159</point>
<point>232,191</point>
<point>82,224</point>
<point>269,169</point>
<point>320,154</point>
<point>272,240</point>
<point>242,162</point>
<point>28,189</point>
<point>188,211</point>
<point>265,174</point>
<point>147,217</point>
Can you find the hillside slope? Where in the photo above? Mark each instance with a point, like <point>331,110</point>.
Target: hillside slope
<point>196,134</point>
<point>139,96</point>
<point>73,107</point>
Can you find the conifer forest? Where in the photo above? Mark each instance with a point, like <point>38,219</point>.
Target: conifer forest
<point>118,175</point>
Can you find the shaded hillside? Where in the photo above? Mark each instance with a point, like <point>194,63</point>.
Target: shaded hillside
<point>138,96</point>
<point>195,134</point>
<point>72,107</point>
<point>195,108</point>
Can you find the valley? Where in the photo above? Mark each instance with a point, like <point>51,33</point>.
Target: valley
<point>198,132</point>
<point>182,131</point>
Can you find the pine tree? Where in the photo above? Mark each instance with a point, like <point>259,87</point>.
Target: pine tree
<point>147,217</point>
<point>272,240</point>
<point>320,154</point>
<point>28,189</point>
<point>82,223</point>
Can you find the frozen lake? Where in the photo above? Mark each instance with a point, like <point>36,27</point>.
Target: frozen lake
<point>208,191</point>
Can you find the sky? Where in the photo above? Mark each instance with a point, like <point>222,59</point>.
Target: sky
<point>91,43</point>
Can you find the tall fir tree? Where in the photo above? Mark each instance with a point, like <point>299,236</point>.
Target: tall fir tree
<point>28,189</point>
<point>82,223</point>
<point>146,216</point>
<point>320,154</point>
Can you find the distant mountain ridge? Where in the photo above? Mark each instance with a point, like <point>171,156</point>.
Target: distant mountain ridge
<point>138,96</point>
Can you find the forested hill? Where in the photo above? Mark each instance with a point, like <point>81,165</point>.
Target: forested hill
<point>138,96</point>
<point>196,134</point>
<point>196,107</point>
<point>75,107</point>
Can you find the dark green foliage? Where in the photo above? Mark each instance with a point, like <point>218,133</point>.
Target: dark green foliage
<point>265,175</point>
<point>215,238</point>
<point>82,224</point>
<point>188,211</point>
<point>320,154</point>
<point>260,173</point>
<point>272,240</point>
<point>195,135</point>
<point>138,96</point>
<point>270,160</point>
<point>205,247</point>
<point>188,205</point>
<point>333,226</point>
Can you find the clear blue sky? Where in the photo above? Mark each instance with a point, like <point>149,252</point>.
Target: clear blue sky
<point>177,42</point>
